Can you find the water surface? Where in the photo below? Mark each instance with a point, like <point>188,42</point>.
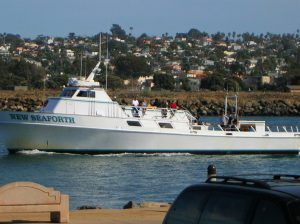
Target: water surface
<point>110,181</point>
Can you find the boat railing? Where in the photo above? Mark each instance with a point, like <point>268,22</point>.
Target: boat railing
<point>154,113</point>
<point>219,127</point>
<point>277,128</point>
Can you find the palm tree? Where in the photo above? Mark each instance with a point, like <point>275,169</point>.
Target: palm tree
<point>130,28</point>
<point>233,34</point>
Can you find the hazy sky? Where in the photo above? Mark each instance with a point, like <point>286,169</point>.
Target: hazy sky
<point>30,18</point>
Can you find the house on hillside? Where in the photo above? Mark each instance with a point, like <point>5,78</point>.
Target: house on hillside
<point>254,82</point>
<point>198,74</point>
<point>4,51</point>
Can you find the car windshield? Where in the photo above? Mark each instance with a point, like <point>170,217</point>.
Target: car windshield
<point>294,209</point>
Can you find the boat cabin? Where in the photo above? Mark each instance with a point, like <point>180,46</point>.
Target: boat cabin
<point>83,101</point>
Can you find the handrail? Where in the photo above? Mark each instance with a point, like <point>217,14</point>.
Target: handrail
<point>277,128</point>
<point>156,112</point>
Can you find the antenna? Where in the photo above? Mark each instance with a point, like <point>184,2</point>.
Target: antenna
<point>106,61</point>
<point>80,65</point>
<point>100,46</point>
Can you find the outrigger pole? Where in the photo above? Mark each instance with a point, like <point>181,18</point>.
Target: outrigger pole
<point>226,103</point>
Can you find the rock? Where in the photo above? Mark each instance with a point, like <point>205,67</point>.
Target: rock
<point>84,207</point>
<point>130,204</point>
<point>153,204</point>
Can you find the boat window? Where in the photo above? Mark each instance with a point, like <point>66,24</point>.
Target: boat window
<point>134,123</point>
<point>85,93</point>
<point>165,125</point>
<point>68,92</point>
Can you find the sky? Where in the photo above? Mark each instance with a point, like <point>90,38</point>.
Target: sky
<point>58,18</point>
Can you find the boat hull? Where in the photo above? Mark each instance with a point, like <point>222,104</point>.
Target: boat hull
<point>108,136</point>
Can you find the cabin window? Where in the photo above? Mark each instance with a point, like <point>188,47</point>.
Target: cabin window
<point>84,93</point>
<point>247,127</point>
<point>165,125</point>
<point>134,123</point>
<point>68,92</point>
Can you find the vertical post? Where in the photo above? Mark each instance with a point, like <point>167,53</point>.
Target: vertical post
<point>100,46</point>
<point>226,105</point>
<point>81,64</point>
<point>105,76</point>
<point>211,172</point>
<point>236,106</point>
<point>106,61</point>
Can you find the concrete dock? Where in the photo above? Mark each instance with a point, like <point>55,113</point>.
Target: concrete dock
<point>152,215</point>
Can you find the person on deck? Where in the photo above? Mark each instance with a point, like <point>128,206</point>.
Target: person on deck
<point>173,107</point>
<point>144,105</point>
<point>223,120</point>
<point>135,109</point>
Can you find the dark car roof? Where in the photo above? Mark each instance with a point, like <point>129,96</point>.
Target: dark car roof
<point>288,186</point>
<point>289,189</point>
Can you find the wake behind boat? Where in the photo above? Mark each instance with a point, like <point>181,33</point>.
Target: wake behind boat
<point>84,119</point>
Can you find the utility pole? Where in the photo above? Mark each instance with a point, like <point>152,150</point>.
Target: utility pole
<point>100,42</point>
<point>106,61</point>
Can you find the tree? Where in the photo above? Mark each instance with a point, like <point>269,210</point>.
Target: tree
<point>185,84</point>
<point>6,79</point>
<point>131,29</point>
<point>234,84</point>
<point>131,66</point>
<point>117,31</point>
<point>113,81</point>
<point>71,36</point>
<point>233,34</point>
<point>117,47</point>
<point>20,73</point>
<point>237,68</point>
<point>163,81</point>
<point>196,34</point>
<point>28,74</point>
<point>185,64</point>
<point>40,39</point>
<point>218,36</point>
<point>141,39</point>
<point>13,40</point>
<point>213,82</point>
<point>56,81</point>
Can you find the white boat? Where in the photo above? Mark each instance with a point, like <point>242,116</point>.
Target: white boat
<point>84,119</point>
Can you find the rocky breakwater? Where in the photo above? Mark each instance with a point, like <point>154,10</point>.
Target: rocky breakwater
<point>249,108</point>
<point>208,104</point>
<point>213,107</point>
<point>19,104</point>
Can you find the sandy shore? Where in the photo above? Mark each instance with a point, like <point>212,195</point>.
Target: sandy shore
<point>154,215</point>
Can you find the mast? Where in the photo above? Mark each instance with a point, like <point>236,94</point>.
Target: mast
<point>106,61</point>
<point>80,65</point>
<point>100,47</point>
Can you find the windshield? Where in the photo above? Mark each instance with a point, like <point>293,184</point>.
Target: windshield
<point>68,92</point>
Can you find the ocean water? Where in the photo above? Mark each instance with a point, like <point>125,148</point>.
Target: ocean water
<point>110,181</point>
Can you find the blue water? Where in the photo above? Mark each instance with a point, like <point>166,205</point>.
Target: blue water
<point>110,181</point>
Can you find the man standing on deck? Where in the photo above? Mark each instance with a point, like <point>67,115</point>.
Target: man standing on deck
<point>223,119</point>
<point>135,105</point>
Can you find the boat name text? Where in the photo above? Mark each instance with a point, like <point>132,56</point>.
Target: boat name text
<point>42,118</point>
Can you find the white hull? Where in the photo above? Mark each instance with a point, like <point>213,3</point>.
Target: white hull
<point>111,135</point>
